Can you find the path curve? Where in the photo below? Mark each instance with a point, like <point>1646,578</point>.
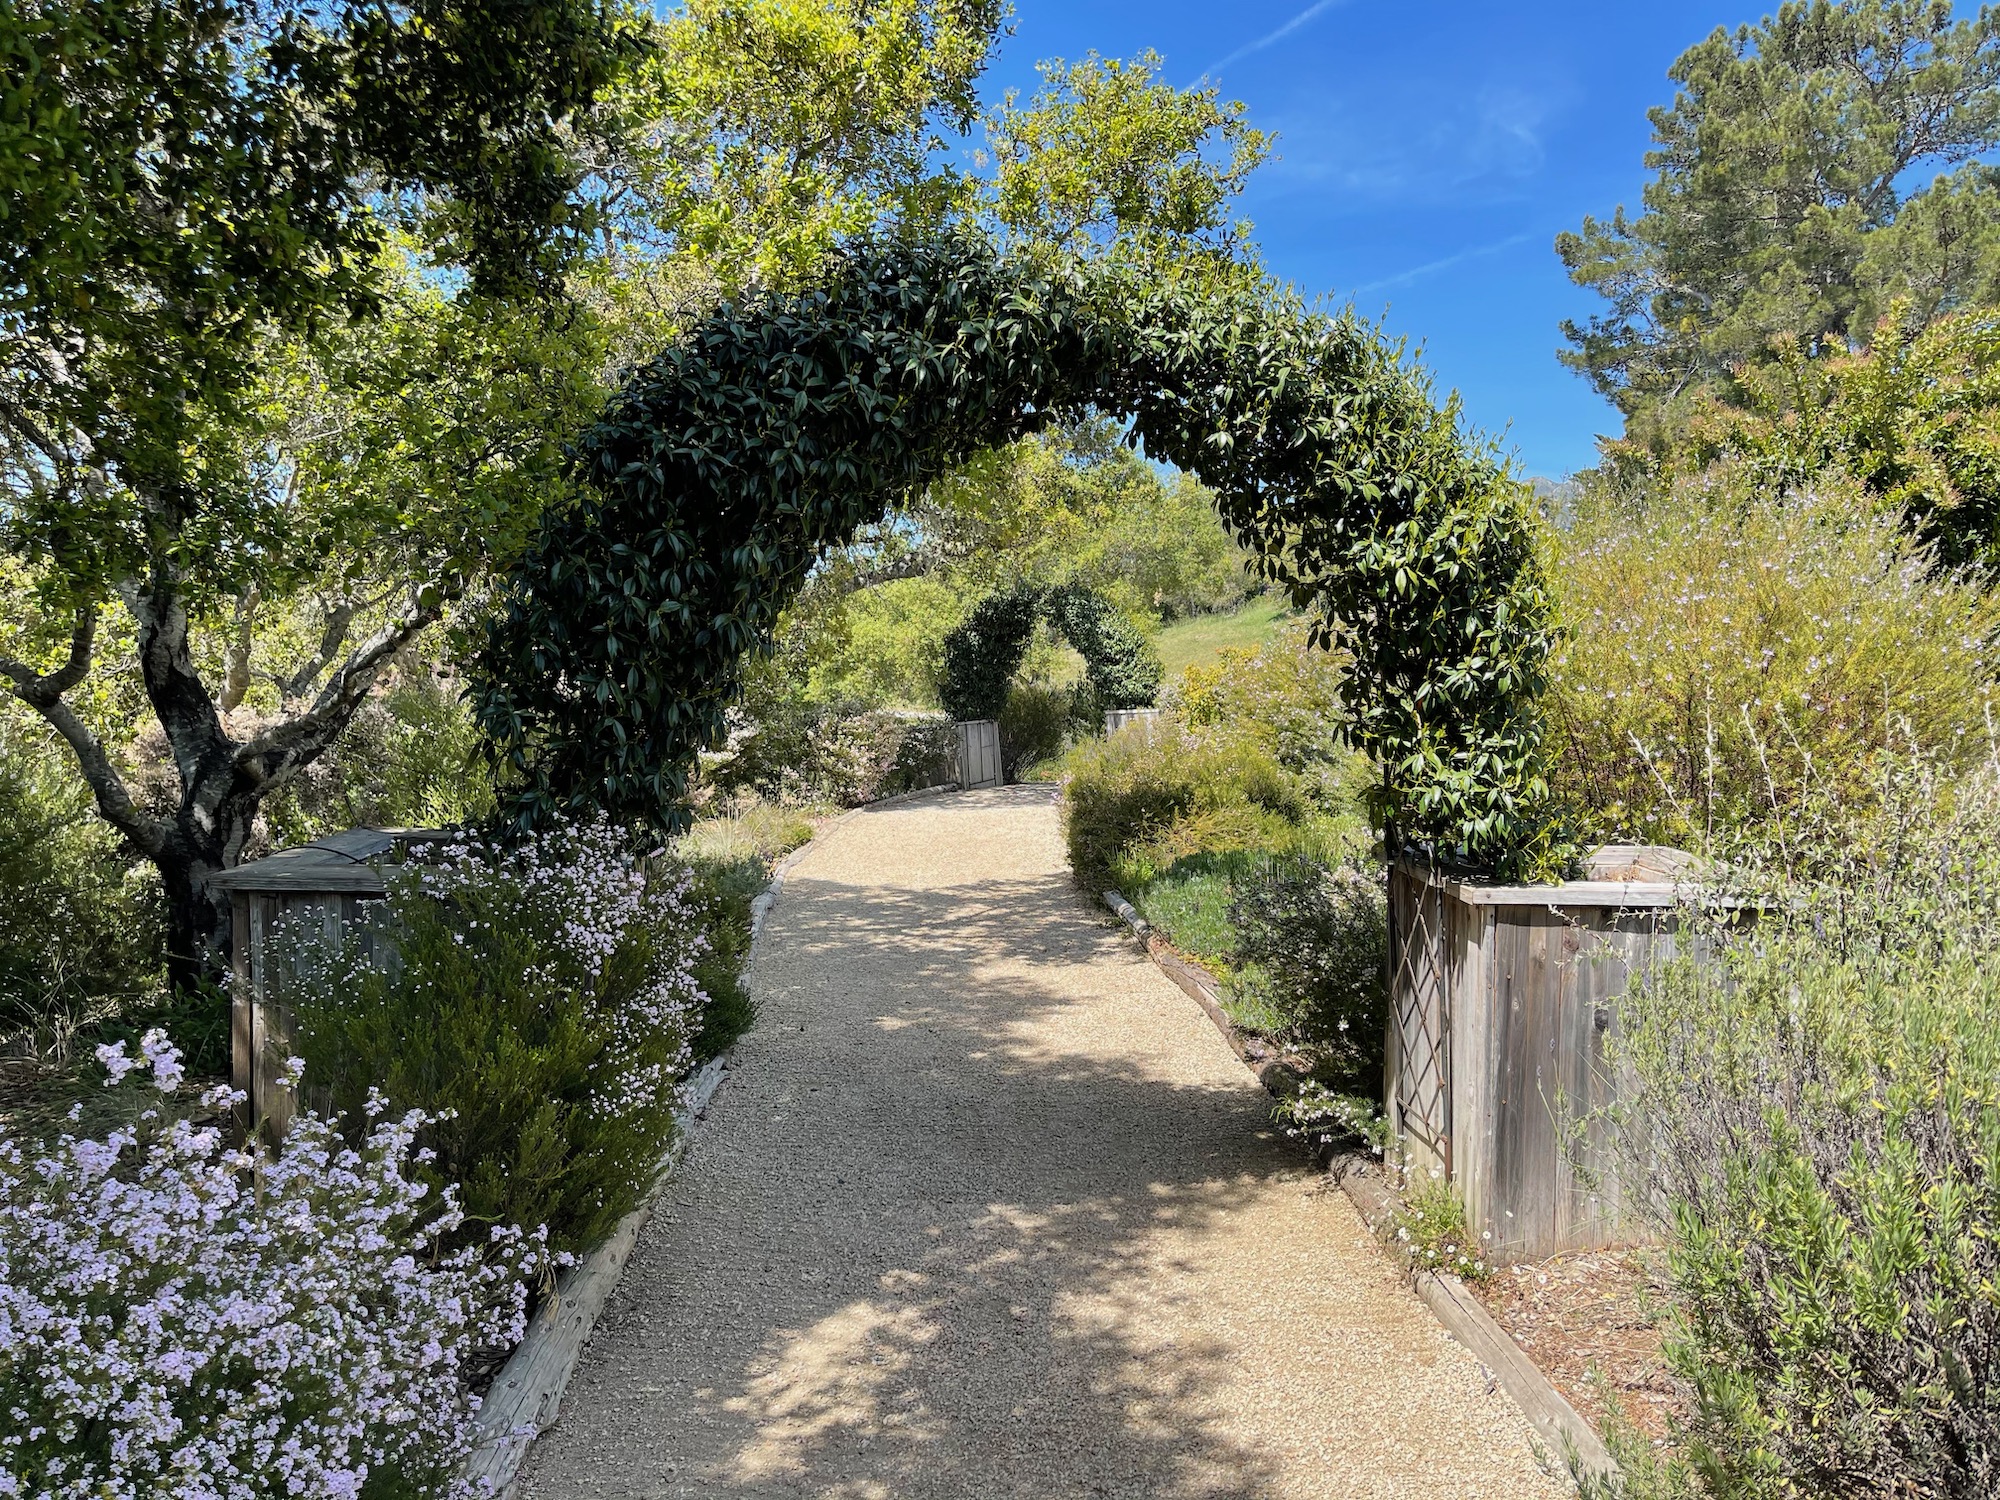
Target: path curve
<point>988,1209</point>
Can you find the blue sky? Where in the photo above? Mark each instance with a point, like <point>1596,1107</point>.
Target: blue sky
<point>1428,154</point>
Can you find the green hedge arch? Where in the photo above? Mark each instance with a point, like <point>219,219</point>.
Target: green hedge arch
<point>733,460</point>
<point>982,654</point>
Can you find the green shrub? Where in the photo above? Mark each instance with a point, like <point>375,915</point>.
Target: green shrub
<point>1188,902</point>
<point>1226,837</point>
<point>1731,658</point>
<point>1819,1135</point>
<point>539,1007</point>
<point>926,754</point>
<point>1429,1230</point>
<point>1147,799</point>
<point>1123,667</point>
<point>719,901</point>
<point>1039,721</point>
<point>982,653</point>
<point>795,751</point>
<point>1313,943</point>
<point>410,758</point>
<point>79,917</point>
<point>1283,697</point>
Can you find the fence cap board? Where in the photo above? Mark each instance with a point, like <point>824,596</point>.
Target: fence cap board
<point>1631,876</point>
<point>346,862</point>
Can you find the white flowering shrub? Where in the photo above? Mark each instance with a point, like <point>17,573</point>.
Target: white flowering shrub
<point>176,1324</point>
<point>539,1008</point>
<point>1321,1117</point>
<point>1429,1230</point>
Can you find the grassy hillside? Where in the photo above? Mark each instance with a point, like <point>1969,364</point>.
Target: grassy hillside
<point>1182,645</point>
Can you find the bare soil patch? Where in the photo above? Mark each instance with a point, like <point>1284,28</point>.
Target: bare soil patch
<point>1589,1321</point>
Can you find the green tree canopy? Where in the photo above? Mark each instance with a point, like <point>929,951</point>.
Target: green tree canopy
<point>303,303</point>
<point>982,654</point>
<point>1915,419</point>
<point>195,190</point>
<point>1788,201</point>
<point>1105,149</point>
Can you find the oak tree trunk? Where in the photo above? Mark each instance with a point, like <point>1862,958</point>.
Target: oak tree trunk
<point>198,917</point>
<point>223,781</point>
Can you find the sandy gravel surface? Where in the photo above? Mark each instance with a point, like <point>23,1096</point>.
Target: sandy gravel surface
<point>987,1209</point>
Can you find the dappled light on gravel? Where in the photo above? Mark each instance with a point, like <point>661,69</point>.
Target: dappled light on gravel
<point>988,1209</point>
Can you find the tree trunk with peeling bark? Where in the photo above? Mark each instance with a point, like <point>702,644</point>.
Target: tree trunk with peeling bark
<point>223,780</point>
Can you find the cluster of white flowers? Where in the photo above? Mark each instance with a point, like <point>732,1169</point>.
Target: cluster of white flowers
<point>183,1321</point>
<point>616,929</point>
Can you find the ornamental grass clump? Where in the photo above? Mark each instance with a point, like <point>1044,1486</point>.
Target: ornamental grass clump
<point>1818,1130</point>
<point>539,1006</point>
<point>180,1321</point>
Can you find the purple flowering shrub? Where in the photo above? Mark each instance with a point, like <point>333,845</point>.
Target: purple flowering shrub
<point>176,1324</point>
<point>538,1008</point>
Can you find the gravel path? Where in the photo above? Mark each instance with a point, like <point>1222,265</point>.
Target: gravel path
<point>987,1209</point>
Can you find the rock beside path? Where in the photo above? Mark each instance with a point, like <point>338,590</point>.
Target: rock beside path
<point>988,1209</point>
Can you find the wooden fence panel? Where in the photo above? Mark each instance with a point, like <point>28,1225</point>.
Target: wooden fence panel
<point>1503,1003</point>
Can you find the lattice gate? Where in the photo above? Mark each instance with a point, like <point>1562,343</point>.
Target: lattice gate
<point>1420,999</point>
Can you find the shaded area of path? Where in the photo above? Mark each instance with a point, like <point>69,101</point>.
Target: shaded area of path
<point>988,1209</point>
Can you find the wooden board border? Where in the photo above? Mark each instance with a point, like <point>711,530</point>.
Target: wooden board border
<point>1574,1441</point>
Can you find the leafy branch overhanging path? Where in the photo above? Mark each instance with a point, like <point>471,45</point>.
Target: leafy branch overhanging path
<point>988,1209</point>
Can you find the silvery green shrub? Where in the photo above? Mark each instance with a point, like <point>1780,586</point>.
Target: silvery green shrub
<point>1817,1130</point>
<point>181,1322</point>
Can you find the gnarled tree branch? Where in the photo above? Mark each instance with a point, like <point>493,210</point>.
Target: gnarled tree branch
<point>43,692</point>
<point>273,756</point>
<point>236,660</point>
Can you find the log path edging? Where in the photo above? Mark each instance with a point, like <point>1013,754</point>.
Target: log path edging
<point>1448,1298</point>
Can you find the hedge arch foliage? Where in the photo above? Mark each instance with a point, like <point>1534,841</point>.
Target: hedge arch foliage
<point>982,654</point>
<point>737,457</point>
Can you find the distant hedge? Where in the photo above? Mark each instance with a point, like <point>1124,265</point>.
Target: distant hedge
<point>982,654</point>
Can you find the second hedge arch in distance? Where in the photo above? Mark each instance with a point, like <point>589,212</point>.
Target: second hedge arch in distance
<point>737,457</point>
<point>982,654</point>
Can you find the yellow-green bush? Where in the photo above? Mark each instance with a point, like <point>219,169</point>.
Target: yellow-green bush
<point>1283,698</point>
<point>1170,793</point>
<point>1727,655</point>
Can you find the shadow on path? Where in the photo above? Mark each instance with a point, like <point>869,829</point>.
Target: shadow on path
<point>986,1209</point>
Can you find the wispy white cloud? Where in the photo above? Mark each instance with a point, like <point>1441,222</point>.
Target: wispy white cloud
<point>1270,38</point>
<point>1431,268</point>
<point>1479,146</point>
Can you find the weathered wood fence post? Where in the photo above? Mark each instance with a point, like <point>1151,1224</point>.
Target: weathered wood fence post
<point>330,883</point>
<point>979,762</point>
<point>1502,998</point>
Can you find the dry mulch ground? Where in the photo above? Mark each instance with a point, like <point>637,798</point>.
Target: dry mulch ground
<point>1585,1320</point>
